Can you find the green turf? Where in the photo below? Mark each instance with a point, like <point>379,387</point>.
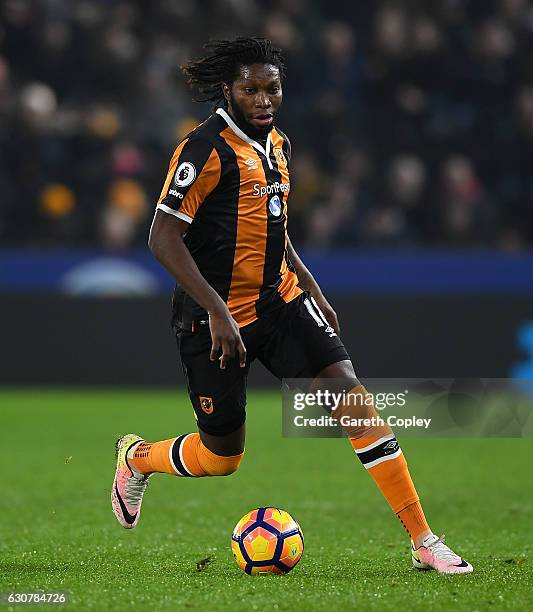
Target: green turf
<point>57,531</point>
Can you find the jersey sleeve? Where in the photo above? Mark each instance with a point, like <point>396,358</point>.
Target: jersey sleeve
<point>193,173</point>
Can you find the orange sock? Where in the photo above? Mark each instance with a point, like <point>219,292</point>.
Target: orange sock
<point>414,520</point>
<point>381,455</point>
<point>182,456</point>
<point>385,462</point>
<point>150,457</point>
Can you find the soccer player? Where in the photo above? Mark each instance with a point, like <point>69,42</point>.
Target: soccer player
<point>242,292</point>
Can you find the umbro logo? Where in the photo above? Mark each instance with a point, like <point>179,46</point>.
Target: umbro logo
<point>391,446</point>
<point>251,163</point>
<point>329,330</point>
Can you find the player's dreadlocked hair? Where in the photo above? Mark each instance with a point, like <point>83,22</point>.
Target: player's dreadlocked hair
<point>222,65</point>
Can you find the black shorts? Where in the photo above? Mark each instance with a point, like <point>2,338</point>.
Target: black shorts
<point>291,342</point>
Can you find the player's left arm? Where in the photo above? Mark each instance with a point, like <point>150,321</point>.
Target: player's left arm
<point>307,282</point>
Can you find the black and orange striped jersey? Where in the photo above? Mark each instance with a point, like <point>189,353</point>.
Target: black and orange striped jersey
<point>233,191</point>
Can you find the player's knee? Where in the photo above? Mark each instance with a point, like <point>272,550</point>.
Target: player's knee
<point>359,417</point>
<point>218,465</point>
<point>228,465</point>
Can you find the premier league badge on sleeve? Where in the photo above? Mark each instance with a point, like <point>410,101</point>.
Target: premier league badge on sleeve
<point>185,174</point>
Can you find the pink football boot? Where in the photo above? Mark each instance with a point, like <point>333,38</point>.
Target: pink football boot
<point>129,486</point>
<point>434,554</point>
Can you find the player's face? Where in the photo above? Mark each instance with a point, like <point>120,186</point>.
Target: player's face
<point>255,97</point>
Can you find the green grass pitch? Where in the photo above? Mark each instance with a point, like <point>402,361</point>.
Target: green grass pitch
<point>57,531</point>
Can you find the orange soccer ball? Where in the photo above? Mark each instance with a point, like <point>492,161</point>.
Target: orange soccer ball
<point>267,541</point>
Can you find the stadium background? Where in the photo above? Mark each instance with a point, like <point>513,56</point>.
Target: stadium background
<point>412,202</point>
<point>412,195</point>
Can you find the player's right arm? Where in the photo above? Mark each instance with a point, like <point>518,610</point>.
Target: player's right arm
<point>167,246</point>
<point>193,173</point>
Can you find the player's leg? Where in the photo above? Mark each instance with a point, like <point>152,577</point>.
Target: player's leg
<point>316,352</point>
<point>194,454</point>
<point>216,449</point>
<point>381,455</point>
<point>377,448</point>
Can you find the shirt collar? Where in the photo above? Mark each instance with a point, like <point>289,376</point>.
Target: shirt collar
<point>256,145</point>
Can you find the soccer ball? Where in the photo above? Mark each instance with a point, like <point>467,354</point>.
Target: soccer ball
<point>267,541</point>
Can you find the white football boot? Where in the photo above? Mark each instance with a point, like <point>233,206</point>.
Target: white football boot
<point>434,554</point>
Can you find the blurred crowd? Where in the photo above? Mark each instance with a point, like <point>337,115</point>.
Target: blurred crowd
<point>411,121</point>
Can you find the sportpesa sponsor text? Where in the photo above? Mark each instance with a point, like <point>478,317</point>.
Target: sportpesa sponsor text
<point>259,190</point>
<point>277,187</point>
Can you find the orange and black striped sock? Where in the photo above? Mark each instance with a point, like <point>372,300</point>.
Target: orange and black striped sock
<point>384,461</point>
<point>185,455</point>
<point>381,455</point>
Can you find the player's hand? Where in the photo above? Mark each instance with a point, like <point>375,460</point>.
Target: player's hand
<point>225,337</point>
<point>327,310</point>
